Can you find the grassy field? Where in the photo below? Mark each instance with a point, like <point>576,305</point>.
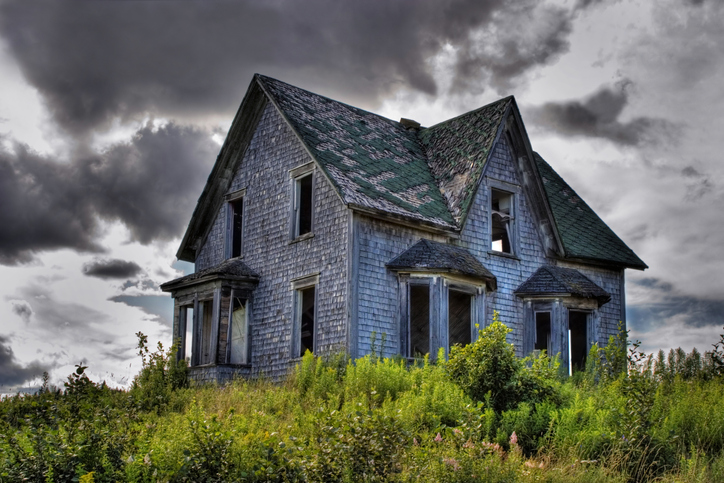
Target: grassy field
<point>482,416</point>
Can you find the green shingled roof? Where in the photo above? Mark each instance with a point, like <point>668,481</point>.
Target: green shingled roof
<point>429,174</point>
<point>583,233</point>
<point>373,162</point>
<point>458,149</point>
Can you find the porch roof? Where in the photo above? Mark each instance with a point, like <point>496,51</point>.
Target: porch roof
<point>231,269</point>
<point>430,256</point>
<point>550,280</point>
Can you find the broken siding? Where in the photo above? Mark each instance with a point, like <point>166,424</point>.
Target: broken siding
<point>510,273</point>
<point>378,291</point>
<point>264,172</point>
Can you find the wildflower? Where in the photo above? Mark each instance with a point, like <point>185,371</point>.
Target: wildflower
<point>438,438</point>
<point>452,462</point>
<point>469,444</point>
<point>414,441</point>
<point>457,431</point>
<point>513,439</point>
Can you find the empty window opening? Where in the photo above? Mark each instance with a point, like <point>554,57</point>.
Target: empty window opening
<point>303,205</point>
<point>305,301</point>
<point>577,343</point>
<point>239,333</point>
<point>459,306</point>
<point>205,349</point>
<point>188,337</point>
<point>419,320</point>
<point>502,215</point>
<point>237,210</point>
<point>543,331</point>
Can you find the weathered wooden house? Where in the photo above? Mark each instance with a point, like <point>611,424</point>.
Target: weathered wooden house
<point>323,226</point>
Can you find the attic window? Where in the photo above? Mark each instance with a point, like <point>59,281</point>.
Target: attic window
<point>236,210</point>
<point>303,202</point>
<point>502,216</point>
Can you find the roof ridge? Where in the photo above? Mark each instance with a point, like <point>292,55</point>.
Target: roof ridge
<point>507,99</point>
<point>350,106</point>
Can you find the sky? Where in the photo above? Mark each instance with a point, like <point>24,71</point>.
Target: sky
<point>112,114</point>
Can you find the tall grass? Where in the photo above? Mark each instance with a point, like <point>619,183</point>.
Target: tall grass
<point>627,418</point>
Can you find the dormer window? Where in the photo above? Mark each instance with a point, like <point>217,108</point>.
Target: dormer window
<point>235,223</point>
<point>502,211</point>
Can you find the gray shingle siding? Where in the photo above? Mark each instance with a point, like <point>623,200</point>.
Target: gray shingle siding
<point>267,250</point>
<point>510,273</point>
<point>378,288</point>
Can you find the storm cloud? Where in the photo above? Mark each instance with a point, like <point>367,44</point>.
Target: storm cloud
<point>13,373</point>
<point>148,183</point>
<point>109,269</point>
<point>599,116</point>
<point>93,62</point>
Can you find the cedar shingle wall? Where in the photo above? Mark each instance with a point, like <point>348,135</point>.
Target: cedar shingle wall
<point>509,273</point>
<point>264,172</point>
<point>378,290</point>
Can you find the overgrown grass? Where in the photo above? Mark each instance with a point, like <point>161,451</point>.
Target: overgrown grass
<point>627,418</point>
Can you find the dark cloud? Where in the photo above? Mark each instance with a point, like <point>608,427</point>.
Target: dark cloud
<point>598,116</point>
<point>113,268</point>
<point>160,306</point>
<point>149,183</point>
<point>667,305</point>
<point>697,184</point>
<point>93,62</point>
<point>11,372</point>
<point>22,309</point>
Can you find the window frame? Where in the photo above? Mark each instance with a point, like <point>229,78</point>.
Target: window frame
<point>296,175</point>
<point>231,200</point>
<point>246,302</point>
<point>299,285</point>
<point>513,232</point>
<point>439,287</point>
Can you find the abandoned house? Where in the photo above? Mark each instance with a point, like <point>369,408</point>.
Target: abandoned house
<point>324,227</point>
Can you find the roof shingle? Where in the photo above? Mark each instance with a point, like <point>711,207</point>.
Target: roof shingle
<point>553,280</point>
<point>427,255</point>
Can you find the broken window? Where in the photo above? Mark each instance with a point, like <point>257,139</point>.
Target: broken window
<point>419,320</point>
<point>501,208</point>
<point>577,340</point>
<point>543,331</point>
<point>303,202</point>
<point>239,330</point>
<point>305,318</point>
<point>236,211</point>
<point>459,320</point>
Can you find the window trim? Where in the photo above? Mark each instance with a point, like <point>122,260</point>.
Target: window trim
<point>296,175</point>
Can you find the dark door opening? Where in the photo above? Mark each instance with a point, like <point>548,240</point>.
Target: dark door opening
<point>577,322</point>
<point>543,331</point>
<point>419,320</point>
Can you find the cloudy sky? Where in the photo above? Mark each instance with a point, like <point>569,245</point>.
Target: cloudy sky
<point>112,113</point>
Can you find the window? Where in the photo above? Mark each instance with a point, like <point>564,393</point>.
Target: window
<point>303,204</point>
<point>239,332</point>
<point>502,216</point>
<point>235,223</point>
<point>204,329</point>
<point>543,332</point>
<point>419,326</point>
<point>306,299</point>
<point>236,212</point>
<point>459,317</point>
<point>577,340</point>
